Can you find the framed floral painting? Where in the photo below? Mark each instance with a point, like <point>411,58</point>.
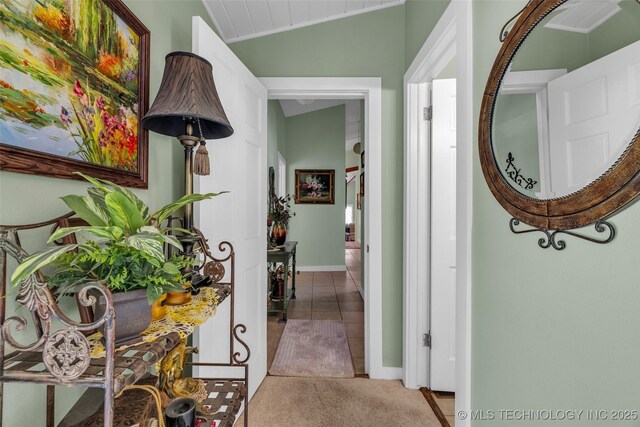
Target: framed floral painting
<point>315,186</point>
<point>74,86</point>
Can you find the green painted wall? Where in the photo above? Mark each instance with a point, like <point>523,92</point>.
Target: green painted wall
<point>316,141</point>
<point>27,198</point>
<point>516,132</point>
<point>619,31</point>
<point>420,18</point>
<point>276,134</point>
<point>546,48</point>
<point>549,48</point>
<point>449,71</point>
<point>551,329</point>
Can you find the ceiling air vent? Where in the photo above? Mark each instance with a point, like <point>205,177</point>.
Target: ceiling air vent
<point>583,16</point>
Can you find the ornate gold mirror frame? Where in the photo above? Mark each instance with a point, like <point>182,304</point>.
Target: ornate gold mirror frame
<point>592,204</point>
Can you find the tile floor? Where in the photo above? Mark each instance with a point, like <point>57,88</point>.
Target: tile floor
<point>328,296</point>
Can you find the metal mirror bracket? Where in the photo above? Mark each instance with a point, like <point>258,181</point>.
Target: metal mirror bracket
<point>551,240</point>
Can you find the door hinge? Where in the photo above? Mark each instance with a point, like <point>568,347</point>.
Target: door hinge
<point>428,113</point>
<point>426,340</point>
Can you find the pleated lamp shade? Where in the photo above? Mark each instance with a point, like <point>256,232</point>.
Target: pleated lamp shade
<point>187,91</point>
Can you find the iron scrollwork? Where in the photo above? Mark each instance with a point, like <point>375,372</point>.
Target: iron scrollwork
<point>514,173</point>
<point>236,355</point>
<point>66,352</point>
<point>506,28</point>
<point>550,239</point>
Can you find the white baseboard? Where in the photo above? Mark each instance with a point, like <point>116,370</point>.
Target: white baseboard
<point>321,268</point>
<point>386,373</point>
<point>361,290</point>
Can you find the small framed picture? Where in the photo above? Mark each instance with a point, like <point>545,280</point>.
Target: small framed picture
<point>362,183</point>
<point>315,186</point>
<point>359,201</point>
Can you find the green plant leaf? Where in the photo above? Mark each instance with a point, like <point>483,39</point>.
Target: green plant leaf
<point>163,213</point>
<point>123,212</point>
<point>100,185</point>
<point>110,233</point>
<point>98,196</point>
<point>171,240</point>
<point>87,209</point>
<point>144,210</point>
<point>178,229</point>
<point>37,261</point>
<point>95,181</point>
<point>147,243</point>
<point>170,268</point>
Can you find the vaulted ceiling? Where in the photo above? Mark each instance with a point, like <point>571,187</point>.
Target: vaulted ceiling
<point>245,19</point>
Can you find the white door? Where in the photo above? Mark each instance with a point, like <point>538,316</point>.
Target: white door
<point>238,165</point>
<point>593,115</point>
<point>443,235</point>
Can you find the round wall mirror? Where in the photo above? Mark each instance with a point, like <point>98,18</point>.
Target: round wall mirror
<point>560,122</point>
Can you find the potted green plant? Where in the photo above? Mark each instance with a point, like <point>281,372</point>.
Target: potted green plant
<point>124,248</point>
<point>278,218</point>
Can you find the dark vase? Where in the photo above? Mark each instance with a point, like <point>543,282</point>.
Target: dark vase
<point>133,314</point>
<point>279,234</point>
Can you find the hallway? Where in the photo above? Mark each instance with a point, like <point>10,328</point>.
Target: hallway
<point>326,401</point>
<point>327,296</point>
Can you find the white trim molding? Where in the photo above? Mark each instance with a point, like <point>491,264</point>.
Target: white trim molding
<point>321,268</point>
<point>451,38</point>
<point>369,89</point>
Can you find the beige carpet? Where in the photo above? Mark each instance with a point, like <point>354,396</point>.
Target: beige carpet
<point>322,402</point>
<point>313,348</point>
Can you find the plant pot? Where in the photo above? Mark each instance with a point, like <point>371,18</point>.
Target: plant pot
<point>279,234</point>
<point>133,314</point>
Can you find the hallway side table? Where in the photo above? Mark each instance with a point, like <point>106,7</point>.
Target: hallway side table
<point>286,255</point>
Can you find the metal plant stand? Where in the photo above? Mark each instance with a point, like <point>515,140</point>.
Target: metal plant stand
<point>68,357</point>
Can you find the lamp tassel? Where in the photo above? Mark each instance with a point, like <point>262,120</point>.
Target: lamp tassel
<point>201,165</point>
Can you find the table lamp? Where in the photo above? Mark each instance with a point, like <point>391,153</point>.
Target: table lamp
<point>187,107</point>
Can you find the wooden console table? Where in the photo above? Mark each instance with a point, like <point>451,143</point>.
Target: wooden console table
<point>285,255</point>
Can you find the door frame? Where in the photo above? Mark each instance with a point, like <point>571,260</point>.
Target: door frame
<point>369,89</point>
<point>452,37</point>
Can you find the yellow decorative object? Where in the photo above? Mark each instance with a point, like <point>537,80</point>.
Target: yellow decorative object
<point>178,298</point>
<point>182,319</point>
<point>159,308</point>
<point>171,371</point>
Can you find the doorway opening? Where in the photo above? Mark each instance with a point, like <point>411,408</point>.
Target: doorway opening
<point>438,208</point>
<point>314,140</point>
<point>368,90</point>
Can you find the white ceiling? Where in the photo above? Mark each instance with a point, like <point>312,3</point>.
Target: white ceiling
<point>246,19</point>
<point>291,107</point>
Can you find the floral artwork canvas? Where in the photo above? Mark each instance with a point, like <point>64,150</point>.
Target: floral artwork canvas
<point>315,186</point>
<point>73,89</point>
